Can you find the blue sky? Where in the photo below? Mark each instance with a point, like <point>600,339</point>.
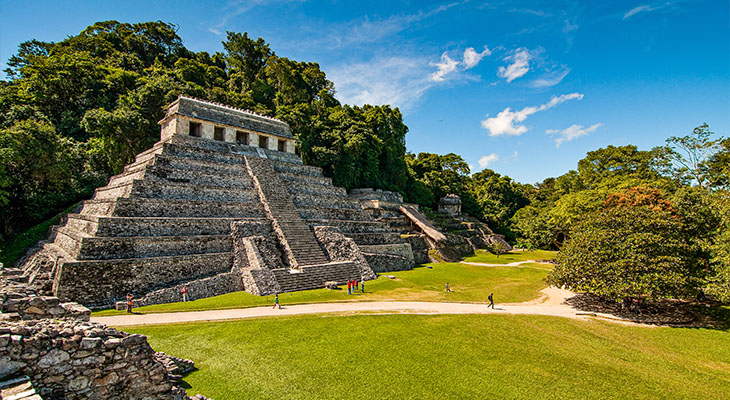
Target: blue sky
<point>524,88</point>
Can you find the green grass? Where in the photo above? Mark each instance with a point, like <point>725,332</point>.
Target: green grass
<point>484,256</point>
<point>446,356</point>
<point>14,247</point>
<point>469,284</point>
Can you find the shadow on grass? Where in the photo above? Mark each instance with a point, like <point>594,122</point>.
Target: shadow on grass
<point>672,313</point>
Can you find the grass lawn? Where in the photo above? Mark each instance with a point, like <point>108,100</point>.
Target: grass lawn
<point>469,284</point>
<point>446,356</point>
<point>484,256</point>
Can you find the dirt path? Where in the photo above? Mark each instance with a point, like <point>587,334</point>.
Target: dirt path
<point>514,264</point>
<point>551,304</point>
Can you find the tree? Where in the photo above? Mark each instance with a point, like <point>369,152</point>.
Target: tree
<point>634,246</point>
<point>718,166</point>
<point>691,154</point>
<point>719,280</point>
<point>498,247</point>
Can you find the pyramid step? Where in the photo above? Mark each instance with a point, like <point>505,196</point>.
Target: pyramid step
<point>312,200</point>
<point>319,213</point>
<point>146,207</point>
<point>299,169</point>
<point>160,226</point>
<point>187,191</point>
<point>354,226</point>
<point>293,178</point>
<point>316,189</point>
<point>160,173</point>
<point>103,248</point>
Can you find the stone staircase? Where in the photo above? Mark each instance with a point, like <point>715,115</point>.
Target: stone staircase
<point>301,247</point>
<point>321,203</point>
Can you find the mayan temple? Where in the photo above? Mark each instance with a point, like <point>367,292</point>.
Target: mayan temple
<point>221,203</point>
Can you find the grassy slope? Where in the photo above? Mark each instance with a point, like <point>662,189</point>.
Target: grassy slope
<point>469,283</point>
<point>465,356</point>
<point>484,256</point>
<point>13,248</point>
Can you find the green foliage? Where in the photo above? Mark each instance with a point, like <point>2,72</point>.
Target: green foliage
<point>719,282</point>
<point>636,245</point>
<point>689,155</point>
<point>39,170</point>
<point>718,166</point>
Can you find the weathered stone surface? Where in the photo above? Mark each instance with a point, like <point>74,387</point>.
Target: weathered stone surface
<point>85,368</point>
<point>450,205</point>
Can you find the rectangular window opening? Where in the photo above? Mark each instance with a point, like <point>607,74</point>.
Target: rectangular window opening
<point>195,129</point>
<point>282,145</point>
<point>263,142</point>
<point>241,137</point>
<point>219,133</point>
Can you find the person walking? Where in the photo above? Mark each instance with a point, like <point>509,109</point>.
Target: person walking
<point>349,286</point>
<point>184,293</point>
<point>362,285</point>
<point>448,288</point>
<point>276,301</point>
<point>130,297</point>
<point>354,281</point>
<point>491,300</point>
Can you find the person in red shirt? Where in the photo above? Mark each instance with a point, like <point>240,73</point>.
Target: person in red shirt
<point>184,292</point>
<point>349,287</point>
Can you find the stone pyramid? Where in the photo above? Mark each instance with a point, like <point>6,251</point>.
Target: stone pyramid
<point>221,203</point>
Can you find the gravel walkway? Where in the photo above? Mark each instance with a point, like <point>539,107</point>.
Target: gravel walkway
<point>551,304</point>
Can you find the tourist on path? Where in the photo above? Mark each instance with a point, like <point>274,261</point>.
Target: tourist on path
<point>129,303</point>
<point>184,292</point>
<point>362,285</point>
<point>491,300</point>
<point>354,281</point>
<point>448,288</point>
<point>276,301</point>
<point>349,287</point>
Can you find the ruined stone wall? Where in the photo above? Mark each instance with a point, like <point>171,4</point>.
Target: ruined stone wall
<point>338,247</point>
<point>20,301</point>
<point>71,360</point>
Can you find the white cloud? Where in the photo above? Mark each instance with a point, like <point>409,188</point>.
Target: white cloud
<point>647,8</point>
<point>238,7</point>
<point>507,121</point>
<point>369,30</point>
<point>399,81</point>
<point>550,79</point>
<point>488,159</point>
<point>637,10</point>
<point>572,132</point>
<point>445,67</point>
<point>472,58</point>
<point>520,64</point>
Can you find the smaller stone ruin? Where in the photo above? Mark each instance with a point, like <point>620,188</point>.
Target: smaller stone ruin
<point>450,205</point>
<point>50,350</point>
